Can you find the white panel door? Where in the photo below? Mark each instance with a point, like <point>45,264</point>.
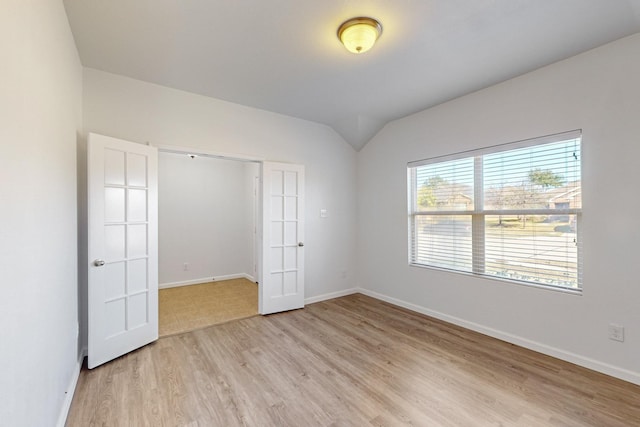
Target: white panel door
<point>282,285</point>
<point>122,247</point>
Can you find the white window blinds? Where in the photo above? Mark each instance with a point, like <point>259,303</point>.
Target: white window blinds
<point>510,211</point>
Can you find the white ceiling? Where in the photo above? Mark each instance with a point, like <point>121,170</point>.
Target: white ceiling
<point>284,56</point>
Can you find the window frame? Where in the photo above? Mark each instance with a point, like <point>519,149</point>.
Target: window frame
<point>478,214</point>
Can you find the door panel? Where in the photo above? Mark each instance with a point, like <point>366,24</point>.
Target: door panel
<point>123,247</point>
<point>283,238</point>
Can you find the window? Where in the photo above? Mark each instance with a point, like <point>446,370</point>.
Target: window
<point>511,211</point>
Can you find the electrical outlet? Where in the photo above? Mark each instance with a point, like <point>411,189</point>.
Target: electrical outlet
<point>185,266</point>
<point>616,332</point>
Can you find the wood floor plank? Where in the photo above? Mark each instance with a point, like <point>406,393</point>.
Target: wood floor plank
<point>351,361</point>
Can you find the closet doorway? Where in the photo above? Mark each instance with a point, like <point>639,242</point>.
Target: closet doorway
<point>207,244</point>
<point>122,239</point>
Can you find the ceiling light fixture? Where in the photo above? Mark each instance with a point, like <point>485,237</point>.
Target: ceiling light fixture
<point>358,35</point>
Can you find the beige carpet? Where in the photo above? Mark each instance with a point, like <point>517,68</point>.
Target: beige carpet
<point>187,308</point>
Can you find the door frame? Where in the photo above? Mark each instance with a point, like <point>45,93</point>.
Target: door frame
<point>258,211</point>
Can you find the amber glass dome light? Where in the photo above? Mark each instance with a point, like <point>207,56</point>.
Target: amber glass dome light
<point>358,35</point>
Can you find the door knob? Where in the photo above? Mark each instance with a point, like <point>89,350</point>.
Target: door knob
<point>98,263</point>
<point>300,244</point>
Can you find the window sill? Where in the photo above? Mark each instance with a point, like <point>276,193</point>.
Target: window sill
<point>570,291</point>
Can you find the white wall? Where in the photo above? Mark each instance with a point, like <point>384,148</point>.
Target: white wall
<point>40,117</point>
<point>138,111</point>
<point>251,216</point>
<point>205,218</point>
<point>599,92</point>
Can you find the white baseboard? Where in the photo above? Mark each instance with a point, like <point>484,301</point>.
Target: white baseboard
<point>206,280</point>
<point>71,389</point>
<point>331,295</point>
<point>595,365</point>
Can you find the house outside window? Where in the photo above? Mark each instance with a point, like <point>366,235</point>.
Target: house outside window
<point>510,211</point>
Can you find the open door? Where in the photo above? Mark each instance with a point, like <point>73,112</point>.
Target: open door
<point>282,284</point>
<point>123,247</point>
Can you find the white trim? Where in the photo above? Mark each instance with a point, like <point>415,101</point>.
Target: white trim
<point>206,280</point>
<point>331,295</point>
<point>206,153</point>
<point>595,365</point>
<point>525,143</point>
<point>71,389</point>
<point>533,211</point>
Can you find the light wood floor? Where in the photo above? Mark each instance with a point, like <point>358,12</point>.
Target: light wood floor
<point>351,361</point>
<point>187,308</point>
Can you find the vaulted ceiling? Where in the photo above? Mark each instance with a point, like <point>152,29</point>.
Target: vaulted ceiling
<point>284,55</point>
